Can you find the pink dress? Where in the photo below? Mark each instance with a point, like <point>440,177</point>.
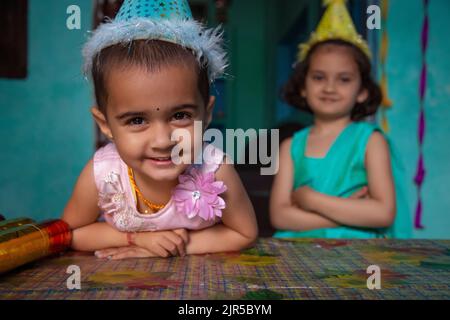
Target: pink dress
<point>195,203</point>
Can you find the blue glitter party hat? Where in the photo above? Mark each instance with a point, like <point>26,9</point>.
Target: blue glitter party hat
<point>167,20</point>
<point>154,9</point>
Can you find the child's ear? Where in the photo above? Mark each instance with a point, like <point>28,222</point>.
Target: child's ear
<point>302,93</point>
<point>209,110</point>
<point>362,96</point>
<point>100,119</point>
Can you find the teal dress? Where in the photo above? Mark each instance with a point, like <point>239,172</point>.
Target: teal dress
<point>341,173</point>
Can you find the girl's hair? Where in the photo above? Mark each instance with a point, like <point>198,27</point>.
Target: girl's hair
<point>291,92</point>
<point>152,55</point>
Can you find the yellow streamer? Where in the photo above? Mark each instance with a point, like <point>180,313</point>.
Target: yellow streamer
<point>386,103</point>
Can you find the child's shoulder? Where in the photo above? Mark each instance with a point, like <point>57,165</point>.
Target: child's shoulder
<point>297,140</point>
<point>364,126</point>
<point>367,131</point>
<point>301,132</point>
<point>105,161</point>
<point>370,137</point>
<point>106,152</point>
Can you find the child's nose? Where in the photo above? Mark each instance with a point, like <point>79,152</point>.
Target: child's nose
<point>160,137</point>
<point>329,86</point>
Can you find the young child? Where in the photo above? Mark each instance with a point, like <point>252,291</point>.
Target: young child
<point>151,68</point>
<point>339,169</point>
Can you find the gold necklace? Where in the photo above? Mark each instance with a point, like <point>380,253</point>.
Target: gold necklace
<point>148,203</point>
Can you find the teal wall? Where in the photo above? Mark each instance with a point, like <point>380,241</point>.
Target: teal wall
<point>255,29</point>
<point>45,127</point>
<point>403,69</point>
<point>296,20</point>
<point>248,93</point>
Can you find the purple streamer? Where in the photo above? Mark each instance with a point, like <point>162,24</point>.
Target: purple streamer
<point>421,127</point>
<point>420,172</point>
<point>425,34</point>
<point>423,81</point>
<point>418,219</point>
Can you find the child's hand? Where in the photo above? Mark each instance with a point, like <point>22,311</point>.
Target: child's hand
<point>150,244</point>
<point>164,243</point>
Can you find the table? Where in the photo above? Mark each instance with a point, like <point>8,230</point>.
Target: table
<point>273,269</point>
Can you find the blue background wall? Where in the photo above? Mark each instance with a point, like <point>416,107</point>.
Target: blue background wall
<point>403,68</point>
<point>45,128</point>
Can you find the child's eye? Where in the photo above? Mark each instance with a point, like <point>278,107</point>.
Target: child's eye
<point>181,116</point>
<point>345,79</point>
<point>136,121</point>
<point>317,77</point>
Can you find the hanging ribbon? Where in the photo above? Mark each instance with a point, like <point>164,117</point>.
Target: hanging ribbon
<point>420,172</point>
<point>386,103</point>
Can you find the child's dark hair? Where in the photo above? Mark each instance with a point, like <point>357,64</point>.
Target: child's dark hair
<point>149,54</point>
<point>291,92</point>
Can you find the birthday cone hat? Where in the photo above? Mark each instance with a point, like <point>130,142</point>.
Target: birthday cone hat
<point>336,23</point>
<point>167,20</point>
<point>154,9</point>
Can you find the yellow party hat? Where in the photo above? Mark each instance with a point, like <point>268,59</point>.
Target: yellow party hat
<point>336,23</point>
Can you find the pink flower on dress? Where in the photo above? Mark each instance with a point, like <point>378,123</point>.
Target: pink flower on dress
<point>198,194</point>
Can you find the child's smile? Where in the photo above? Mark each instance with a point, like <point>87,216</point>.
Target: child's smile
<point>328,100</point>
<point>161,162</point>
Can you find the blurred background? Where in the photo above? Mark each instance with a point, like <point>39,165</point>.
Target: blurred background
<point>47,133</point>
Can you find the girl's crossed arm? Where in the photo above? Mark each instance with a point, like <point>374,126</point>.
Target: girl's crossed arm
<point>284,214</point>
<point>376,211</point>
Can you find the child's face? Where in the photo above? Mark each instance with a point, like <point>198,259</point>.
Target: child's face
<point>333,82</point>
<point>144,108</point>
